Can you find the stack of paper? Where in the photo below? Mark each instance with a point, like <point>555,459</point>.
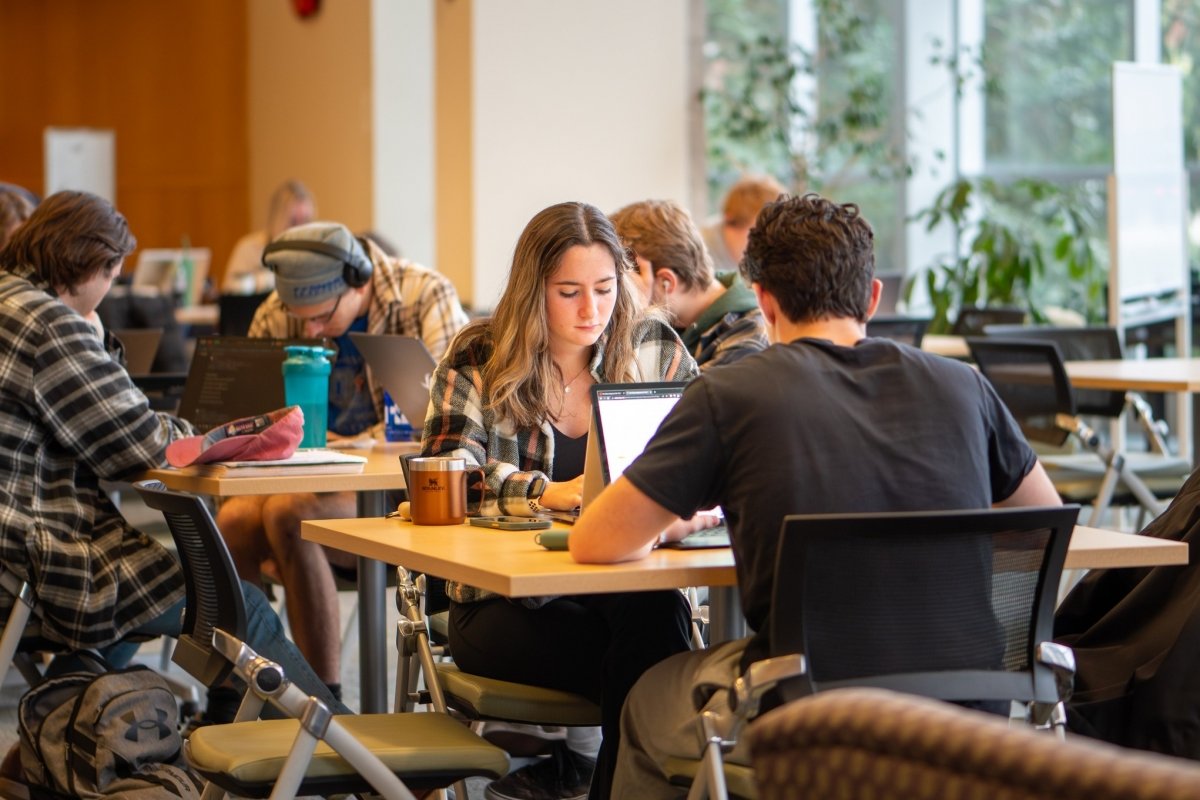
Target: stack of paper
<point>310,461</point>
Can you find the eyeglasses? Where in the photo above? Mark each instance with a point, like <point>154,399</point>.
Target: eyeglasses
<point>319,319</point>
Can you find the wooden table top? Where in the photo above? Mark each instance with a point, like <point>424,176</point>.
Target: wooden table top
<point>1144,375</point>
<point>512,564</point>
<point>382,471</point>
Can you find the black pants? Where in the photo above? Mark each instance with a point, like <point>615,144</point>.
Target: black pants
<point>594,645</point>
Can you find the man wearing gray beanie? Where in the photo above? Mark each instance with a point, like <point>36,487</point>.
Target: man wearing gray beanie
<point>327,284</point>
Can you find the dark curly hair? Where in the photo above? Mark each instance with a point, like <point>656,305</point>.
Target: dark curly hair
<point>816,257</point>
<point>69,238</point>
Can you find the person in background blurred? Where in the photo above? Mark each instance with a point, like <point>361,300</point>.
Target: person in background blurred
<point>15,208</point>
<point>726,237</point>
<point>291,205</point>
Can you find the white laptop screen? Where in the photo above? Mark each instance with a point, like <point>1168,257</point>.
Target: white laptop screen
<point>627,415</point>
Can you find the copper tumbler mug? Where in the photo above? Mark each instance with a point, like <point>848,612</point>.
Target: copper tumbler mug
<point>438,494</point>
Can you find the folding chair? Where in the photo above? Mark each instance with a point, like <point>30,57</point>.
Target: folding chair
<point>906,330</point>
<point>1031,380</point>
<point>952,605</point>
<point>315,752</point>
<point>474,696</point>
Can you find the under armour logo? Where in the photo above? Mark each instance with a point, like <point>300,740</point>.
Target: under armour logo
<point>136,726</point>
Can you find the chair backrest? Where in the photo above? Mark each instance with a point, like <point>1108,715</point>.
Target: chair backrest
<point>214,592</point>
<point>1031,380</point>
<point>236,312</point>
<point>856,744</point>
<point>1076,344</point>
<point>947,604</point>
<point>908,330</point>
<point>972,321</point>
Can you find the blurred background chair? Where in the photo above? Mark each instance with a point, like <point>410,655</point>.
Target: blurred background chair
<point>972,321</point>
<point>870,744</point>
<point>1031,379</point>
<point>907,330</point>
<point>236,312</point>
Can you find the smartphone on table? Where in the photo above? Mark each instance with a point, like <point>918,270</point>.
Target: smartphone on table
<point>510,523</point>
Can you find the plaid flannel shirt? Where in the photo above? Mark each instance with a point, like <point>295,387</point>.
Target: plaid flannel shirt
<point>70,416</point>
<point>731,328</point>
<point>511,457</point>
<point>406,299</point>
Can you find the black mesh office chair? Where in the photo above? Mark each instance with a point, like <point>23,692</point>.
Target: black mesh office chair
<point>236,312</point>
<point>1091,344</point>
<point>972,321</point>
<point>952,605</point>
<point>1031,379</point>
<point>908,330</point>
<point>315,752</point>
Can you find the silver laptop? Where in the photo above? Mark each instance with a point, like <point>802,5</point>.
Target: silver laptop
<point>141,346</point>
<point>404,367</point>
<point>624,418</point>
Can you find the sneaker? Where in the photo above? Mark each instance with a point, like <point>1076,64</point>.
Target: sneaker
<point>522,741</point>
<point>562,775</point>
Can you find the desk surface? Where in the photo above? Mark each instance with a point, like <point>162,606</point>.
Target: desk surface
<point>382,471</point>
<point>512,564</point>
<point>1145,375</point>
<point>945,345</point>
<point>198,315</point>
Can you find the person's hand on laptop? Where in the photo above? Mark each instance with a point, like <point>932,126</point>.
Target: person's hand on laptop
<point>680,528</point>
<point>563,495</point>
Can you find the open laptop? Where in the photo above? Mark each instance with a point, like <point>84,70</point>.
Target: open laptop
<point>235,376</point>
<point>624,417</point>
<point>157,269</point>
<point>141,345</point>
<point>404,367</point>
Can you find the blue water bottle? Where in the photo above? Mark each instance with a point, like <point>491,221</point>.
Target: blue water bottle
<point>306,384</point>
<point>395,425</point>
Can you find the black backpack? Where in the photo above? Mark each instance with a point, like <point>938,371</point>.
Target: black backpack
<point>1136,637</point>
<point>103,733</point>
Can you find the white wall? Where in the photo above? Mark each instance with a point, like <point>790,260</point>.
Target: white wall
<point>402,37</point>
<point>573,101</point>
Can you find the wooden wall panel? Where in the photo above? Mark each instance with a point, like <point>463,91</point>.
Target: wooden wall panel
<point>168,77</point>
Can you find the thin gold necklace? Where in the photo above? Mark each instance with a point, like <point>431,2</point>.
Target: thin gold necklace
<point>567,385</point>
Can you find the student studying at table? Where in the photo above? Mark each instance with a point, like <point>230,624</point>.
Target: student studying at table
<point>824,420</point>
<point>717,317</point>
<point>327,284</point>
<point>512,395</point>
<point>71,417</point>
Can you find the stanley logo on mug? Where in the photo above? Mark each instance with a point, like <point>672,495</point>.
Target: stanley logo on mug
<point>432,484</point>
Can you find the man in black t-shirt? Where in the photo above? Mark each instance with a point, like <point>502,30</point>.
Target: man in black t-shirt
<point>824,420</point>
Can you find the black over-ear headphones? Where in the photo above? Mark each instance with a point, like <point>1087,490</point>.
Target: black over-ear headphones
<point>356,268</point>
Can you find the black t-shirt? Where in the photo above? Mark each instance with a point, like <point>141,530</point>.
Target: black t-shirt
<point>811,427</point>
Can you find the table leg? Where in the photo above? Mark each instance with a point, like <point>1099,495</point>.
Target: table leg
<point>372,617</point>
<point>726,621</point>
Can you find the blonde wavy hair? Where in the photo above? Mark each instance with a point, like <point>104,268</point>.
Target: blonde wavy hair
<point>518,374</point>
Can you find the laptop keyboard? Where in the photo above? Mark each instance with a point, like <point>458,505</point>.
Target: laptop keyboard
<point>709,537</point>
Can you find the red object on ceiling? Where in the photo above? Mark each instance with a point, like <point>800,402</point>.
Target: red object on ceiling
<point>306,8</point>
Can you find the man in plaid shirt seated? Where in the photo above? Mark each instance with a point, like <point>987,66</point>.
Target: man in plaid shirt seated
<point>70,417</point>
<point>328,284</point>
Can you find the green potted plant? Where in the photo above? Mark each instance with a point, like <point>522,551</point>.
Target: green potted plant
<point>1027,243</point>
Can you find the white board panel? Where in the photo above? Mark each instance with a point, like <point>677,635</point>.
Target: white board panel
<point>82,159</point>
<point>1149,189</point>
